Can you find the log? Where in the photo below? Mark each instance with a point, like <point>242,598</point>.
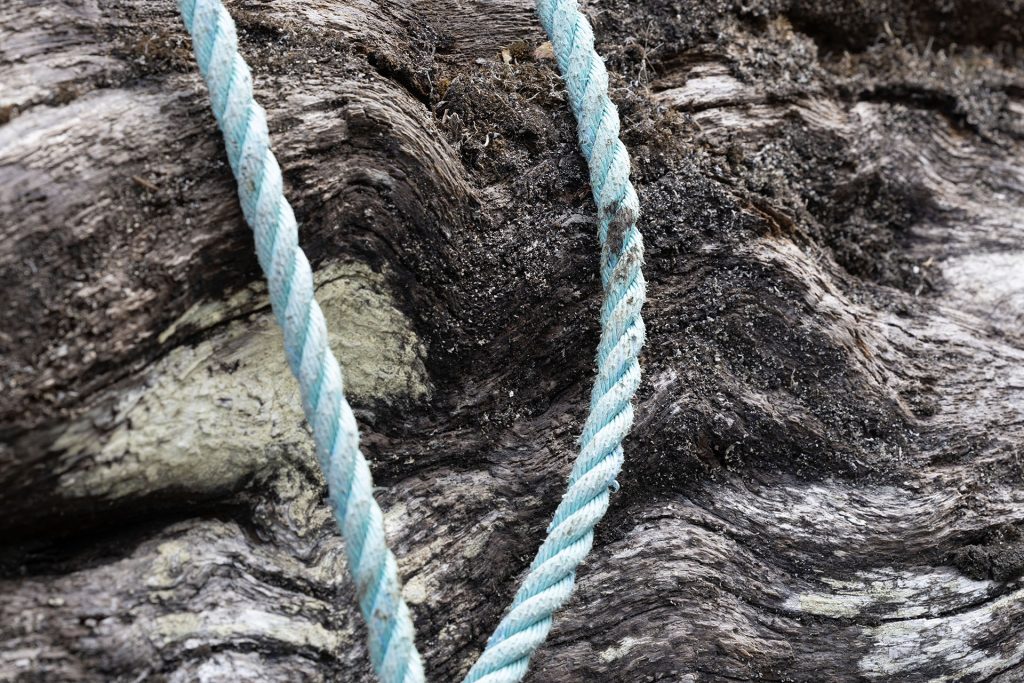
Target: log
<point>825,481</point>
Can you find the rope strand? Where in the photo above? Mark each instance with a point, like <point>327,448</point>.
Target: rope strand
<point>549,582</point>
<point>290,283</point>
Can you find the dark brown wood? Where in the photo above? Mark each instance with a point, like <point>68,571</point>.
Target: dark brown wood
<point>825,481</point>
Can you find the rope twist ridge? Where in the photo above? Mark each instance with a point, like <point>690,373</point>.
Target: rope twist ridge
<point>549,582</point>
<point>290,284</point>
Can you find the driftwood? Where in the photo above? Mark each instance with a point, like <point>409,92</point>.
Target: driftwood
<point>825,482</point>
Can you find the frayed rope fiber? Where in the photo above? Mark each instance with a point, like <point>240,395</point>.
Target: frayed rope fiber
<point>549,582</point>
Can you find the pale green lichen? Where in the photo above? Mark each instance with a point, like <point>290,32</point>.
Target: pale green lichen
<point>416,590</point>
<point>847,598</point>
<point>207,314</point>
<point>888,592</point>
<point>622,648</point>
<point>948,643</point>
<point>228,625</point>
<point>205,418</point>
<point>171,560</point>
<point>933,619</point>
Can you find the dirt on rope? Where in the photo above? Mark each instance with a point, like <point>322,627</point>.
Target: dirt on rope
<point>825,481</point>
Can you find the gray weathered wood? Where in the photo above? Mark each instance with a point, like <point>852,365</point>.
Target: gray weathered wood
<point>825,481</point>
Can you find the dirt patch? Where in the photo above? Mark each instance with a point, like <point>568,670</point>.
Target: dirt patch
<point>999,556</point>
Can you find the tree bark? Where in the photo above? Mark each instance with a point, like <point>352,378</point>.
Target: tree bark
<point>825,480</point>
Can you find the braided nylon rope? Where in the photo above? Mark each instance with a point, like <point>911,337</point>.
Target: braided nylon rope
<point>552,574</point>
<point>550,580</point>
<point>290,283</point>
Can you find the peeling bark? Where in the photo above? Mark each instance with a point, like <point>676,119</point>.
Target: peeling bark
<point>825,481</point>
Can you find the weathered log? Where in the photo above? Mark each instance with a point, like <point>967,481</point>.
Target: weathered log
<point>825,481</point>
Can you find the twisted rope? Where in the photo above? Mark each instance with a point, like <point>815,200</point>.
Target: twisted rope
<point>549,582</point>
<point>551,577</point>
<point>290,283</point>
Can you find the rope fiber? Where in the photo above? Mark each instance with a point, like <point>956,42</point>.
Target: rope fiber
<point>290,284</point>
<point>551,577</point>
<point>549,582</point>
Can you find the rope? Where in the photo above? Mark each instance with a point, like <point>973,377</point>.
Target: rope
<point>551,577</point>
<point>552,574</point>
<point>290,282</point>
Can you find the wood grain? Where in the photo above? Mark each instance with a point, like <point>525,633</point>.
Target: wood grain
<point>825,481</point>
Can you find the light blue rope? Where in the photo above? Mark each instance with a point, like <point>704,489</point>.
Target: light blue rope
<point>290,282</point>
<point>552,574</point>
<point>550,580</point>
